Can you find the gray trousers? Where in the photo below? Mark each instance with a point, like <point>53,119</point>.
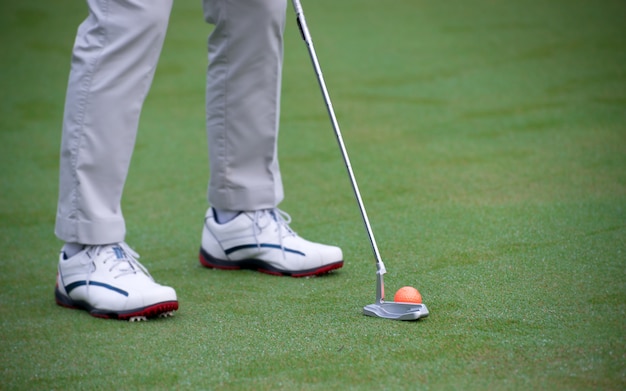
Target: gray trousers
<point>113,63</point>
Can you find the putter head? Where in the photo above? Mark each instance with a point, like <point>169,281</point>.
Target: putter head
<point>396,311</point>
<point>391,309</point>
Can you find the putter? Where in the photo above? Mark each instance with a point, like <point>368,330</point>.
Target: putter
<point>381,308</point>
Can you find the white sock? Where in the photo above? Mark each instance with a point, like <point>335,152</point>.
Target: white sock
<point>224,216</point>
<point>71,249</point>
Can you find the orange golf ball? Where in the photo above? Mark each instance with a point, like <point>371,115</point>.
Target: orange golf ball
<point>407,294</point>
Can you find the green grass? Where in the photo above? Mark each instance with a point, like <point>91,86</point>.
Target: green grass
<point>489,142</point>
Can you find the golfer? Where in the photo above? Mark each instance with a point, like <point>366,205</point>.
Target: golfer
<point>114,58</point>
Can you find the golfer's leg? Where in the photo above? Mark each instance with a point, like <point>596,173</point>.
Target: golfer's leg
<point>243,100</point>
<point>113,63</point>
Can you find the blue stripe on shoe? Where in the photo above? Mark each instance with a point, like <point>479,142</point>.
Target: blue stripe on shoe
<point>265,245</point>
<point>74,285</point>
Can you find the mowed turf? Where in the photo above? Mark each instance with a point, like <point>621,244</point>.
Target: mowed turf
<point>489,142</point>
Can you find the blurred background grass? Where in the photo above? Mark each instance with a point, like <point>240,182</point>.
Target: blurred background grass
<point>489,142</point>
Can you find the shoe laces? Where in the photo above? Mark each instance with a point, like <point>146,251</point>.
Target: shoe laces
<point>118,257</point>
<point>281,220</point>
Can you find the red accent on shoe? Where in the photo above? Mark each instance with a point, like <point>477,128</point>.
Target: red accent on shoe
<point>151,311</point>
<point>206,263</point>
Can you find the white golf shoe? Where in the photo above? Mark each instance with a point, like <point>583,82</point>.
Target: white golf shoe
<point>109,282</point>
<point>263,241</point>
